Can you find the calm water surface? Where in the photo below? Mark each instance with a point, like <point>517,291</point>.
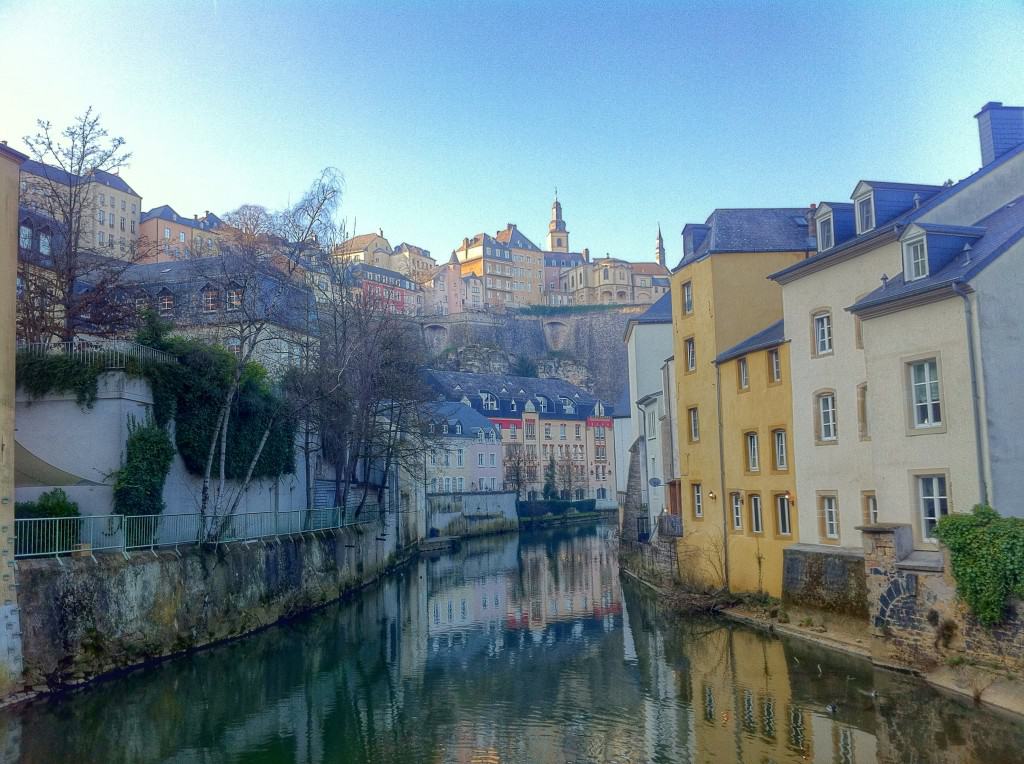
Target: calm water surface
<point>516,649</point>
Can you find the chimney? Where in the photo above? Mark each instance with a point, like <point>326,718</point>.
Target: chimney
<point>812,229</point>
<point>196,217</point>
<point>207,213</point>
<point>1001,128</point>
<point>586,254</point>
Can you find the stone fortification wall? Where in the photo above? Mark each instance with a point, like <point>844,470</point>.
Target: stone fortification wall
<point>827,578</point>
<point>84,618</point>
<point>916,615</point>
<point>471,514</point>
<point>582,347</point>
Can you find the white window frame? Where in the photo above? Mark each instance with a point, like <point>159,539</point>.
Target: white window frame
<point>737,512</point>
<point>931,390</point>
<point>781,449</point>
<point>480,459</point>
<point>823,340</point>
<point>688,298</point>
<point>783,515</point>
<point>698,500</point>
<point>933,505</point>
<point>756,515</point>
<point>488,402</point>
<point>744,369</point>
<point>830,510</point>
<point>694,414</point>
<point>753,452</point>
<point>828,430</point>
<point>825,224</point>
<point>775,364</point>
<point>691,354</point>
<point>862,225</point>
<point>915,258</point>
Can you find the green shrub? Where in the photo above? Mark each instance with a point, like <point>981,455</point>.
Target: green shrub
<point>139,484</point>
<point>46,538</point>
<point>987,556</point>
<point>53,503</point>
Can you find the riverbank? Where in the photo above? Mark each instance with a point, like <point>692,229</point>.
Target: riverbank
<point>85,619</point>
<point>554,521</point>
<point>987,685</point>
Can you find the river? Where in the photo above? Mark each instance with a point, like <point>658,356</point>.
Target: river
<point>518,648</point>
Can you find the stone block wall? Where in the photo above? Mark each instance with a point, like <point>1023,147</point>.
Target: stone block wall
<point>823,577</point>
<point>86,617</point>
<point>916,615</point>
<point>471,514</point>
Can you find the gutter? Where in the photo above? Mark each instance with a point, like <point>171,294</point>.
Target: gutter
<point>958,288</point>
<point>721,476</point>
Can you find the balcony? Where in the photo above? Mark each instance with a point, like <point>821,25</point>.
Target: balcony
<point>670,526</point>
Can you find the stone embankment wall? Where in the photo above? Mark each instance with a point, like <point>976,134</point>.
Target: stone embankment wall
<point>471,514</point>
<point>84,618</point>
<point>827,578</point>
<point>916,615</point>
<point>582,347</point>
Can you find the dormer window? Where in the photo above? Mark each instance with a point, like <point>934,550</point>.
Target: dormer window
<point>865,214</point>
<point>542,403</point>
<point>444,429</point>
<point>512,405</point>
<point>489,402</point>
<point>915,259</point>
<point>458,428</point>
<point>826,239</point>
<point>211,300</point>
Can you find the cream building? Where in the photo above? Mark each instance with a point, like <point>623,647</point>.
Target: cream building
<point>889,325</point>
<point>170,236</point>
<point>111,208</point>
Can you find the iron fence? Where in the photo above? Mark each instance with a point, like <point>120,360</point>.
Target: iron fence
<point>61,536</point>
<point>106,353</point>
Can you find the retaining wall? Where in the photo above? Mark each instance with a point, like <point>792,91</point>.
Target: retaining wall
<point>824,577</point>
<point>471,514</point>
<point>84,618</point>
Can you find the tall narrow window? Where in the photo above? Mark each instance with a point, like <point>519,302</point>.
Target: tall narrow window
<point>830,516</point>
<point>691,354</point>
<point>694,425</point>
<point>737,512</point>
<point>774,366</point>
<point>824,234</point>
<point>753,457</point>
<point>756,519</point>
<point>234,298</point>
<point>870,508</point>
<point>924,380</point>
<point>744,374</point>
<point>865,215</point>
<point>931,491</point>
<point>25,236</point>
<point>781,455</point>
<point>698,501</point>
<point>211,300</point>
<point>863,430</point>
<point>782,515</point>
<point>822,333</point>
<point>688,297</point>
<point>827,429</point>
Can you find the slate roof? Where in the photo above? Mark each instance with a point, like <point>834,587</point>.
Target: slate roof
<point>357,243</point>
<point>454,412</point>
<point>622,408</point>
<point>454,385</point>
<point>166,212</point>
<point>886,185</point>
<point>66,178</point>
<point>766,338</point>
<point>383,275</point>
<point>909,216</point>
<point>555,259</point>
<point>649,269</point>
<point>513,237</point>
<point>660,311</point>
<point>759,229</point>
<point>1004,228</point>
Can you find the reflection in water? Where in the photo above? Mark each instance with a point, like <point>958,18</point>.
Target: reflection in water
<point>515,649</point>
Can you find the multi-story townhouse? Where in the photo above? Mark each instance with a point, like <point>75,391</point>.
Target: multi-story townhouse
<point>487,259</point>
<point>387,289</point>
<point>468,454</point>
<point>939,336</point>
<point>369,248</point>
<point>542,420</point>
<point>110,208</point>
<point>900,328</point>
<point>757,458</point>
<point>171,236</point>
<point>412,261</point>
<point>554,264</point>
<point>720,298</point>
<point>527,266</point>
<point>649,435</point>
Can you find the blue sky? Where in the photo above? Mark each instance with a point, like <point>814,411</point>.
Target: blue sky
<point>452,118</point>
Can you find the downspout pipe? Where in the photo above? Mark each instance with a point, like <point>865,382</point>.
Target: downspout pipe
<point>721,475</point>
<point>959,289</point>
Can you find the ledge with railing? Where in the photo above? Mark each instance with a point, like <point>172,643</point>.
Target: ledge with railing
<point>85,535</point>
<point>110,354</point>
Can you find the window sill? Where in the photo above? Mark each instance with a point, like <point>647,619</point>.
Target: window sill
<point>926,430</point>
<point>833,442</point>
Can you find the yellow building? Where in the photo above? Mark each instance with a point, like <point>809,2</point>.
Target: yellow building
<point>10,643</point>
<point>759,466</point>
<point>170,236</point>
<point>721,298</point>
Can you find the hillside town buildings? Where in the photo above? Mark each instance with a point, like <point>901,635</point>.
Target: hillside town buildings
<point>468,456</point>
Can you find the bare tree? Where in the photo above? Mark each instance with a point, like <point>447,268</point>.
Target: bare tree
<point>75,287</point>
<point>518,464</point>
<point>566,476</point>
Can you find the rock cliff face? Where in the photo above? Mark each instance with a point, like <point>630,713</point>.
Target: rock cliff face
<point>584,348</point>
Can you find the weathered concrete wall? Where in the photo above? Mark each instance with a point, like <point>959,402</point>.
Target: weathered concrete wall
<point>471,514</point>
<point>827,578</point>
<point>916,615</point>
<point>85,618</point>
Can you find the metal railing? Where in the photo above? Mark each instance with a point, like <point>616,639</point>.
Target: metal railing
<point>106,353</point>
<point>60,536</point>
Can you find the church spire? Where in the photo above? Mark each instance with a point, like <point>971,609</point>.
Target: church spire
<point>558,236</point>
<point>659,251</point>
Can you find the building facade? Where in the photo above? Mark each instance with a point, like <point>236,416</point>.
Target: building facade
<point>468,456</point>
<point>171,236</point>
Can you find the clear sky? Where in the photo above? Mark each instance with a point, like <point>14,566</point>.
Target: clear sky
<point>448,119</point>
